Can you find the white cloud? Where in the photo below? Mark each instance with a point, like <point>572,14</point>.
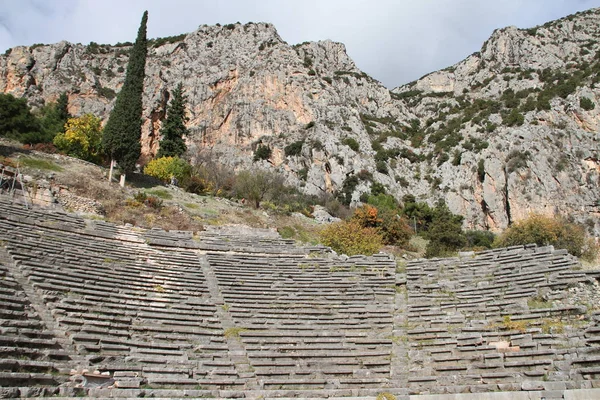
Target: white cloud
<point>394,41</point>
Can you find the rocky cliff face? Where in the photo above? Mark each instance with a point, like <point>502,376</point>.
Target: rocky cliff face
<point>498,135</point>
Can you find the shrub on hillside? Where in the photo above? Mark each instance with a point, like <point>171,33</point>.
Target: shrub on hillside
<point>16,120</point>
<point>543,231</point>
<point>383,201</point>
<point>349,237</point>
<point>198,185</point>
<point>445,237</point>
<point>164,168</point>
<point>441,227</point>
<point>294,149</point>
<point>352,143</point>
<point>367,216</point>
<point>480,239</point>
<point>586,104</point>
<point>257,186</point>
<point>395,229</point>
<point>148,200</point>
<point>82,138</point>
<point>262,152</point>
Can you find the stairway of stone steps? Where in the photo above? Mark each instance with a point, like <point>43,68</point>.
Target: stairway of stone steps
<point>310,322</point>
<point>31,352</point>
<point>237,351</point>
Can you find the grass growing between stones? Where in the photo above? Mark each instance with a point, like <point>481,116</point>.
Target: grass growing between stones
<point>537,302</point>
<point>299,233</point>
<point>161,193</point>
<point>40,164</point>
<point>233,332</point>
<point>553,326</point>
<point>511,325</point>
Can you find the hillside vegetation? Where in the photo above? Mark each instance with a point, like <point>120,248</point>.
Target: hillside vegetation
<point>507,133</point>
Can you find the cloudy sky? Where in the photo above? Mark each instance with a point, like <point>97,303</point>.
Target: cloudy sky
<point>395,41</point>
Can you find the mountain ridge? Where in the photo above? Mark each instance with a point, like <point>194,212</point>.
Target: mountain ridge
<point>457,134</point>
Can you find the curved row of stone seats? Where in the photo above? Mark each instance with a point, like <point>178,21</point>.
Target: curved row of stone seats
<point>29,353</point>
<point>250,241</point>
<point>126,307</point>
<point>253,240</point>
<point>485,321</point>
<point>311,323</point>
<point>34,216</point>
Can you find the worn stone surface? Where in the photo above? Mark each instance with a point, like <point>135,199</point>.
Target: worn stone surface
<point>247,86</point>
<point>96,310</point>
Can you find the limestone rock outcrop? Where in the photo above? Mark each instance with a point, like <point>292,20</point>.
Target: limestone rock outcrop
<point>498,135</point>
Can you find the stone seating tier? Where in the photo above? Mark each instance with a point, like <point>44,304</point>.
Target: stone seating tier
<point>220,314</point>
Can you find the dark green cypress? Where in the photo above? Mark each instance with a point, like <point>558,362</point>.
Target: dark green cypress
<point>173,128</point>
<point>121,139</point>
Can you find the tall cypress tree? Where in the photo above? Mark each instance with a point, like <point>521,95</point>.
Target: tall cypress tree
<point>173,129</point>
<point>121,139</point>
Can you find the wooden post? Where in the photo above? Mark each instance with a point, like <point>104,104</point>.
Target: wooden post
<point>110,172</point>
<point>122,181</point>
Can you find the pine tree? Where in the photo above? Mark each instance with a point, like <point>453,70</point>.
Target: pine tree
<point>121,139</point>
<point>173,129</point>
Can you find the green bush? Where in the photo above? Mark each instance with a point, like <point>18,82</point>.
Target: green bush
<point>303,173</point>
<point>294,149</point>
<point>513,118</point>
<point>262,152</point>
<point>543,231</point>
<point>480,239</point>
<point>383,201</point>
<point>349,237</point>
<point>17,122</point>
<point>456,158</point>
<point>481,170</point>
<point>149,201</point>
<point>402,181</point>
<point>444,233</point>
<point>586,104</point>
<point>345,194</point>
<point>381,167</point>
<point>438,224</point>
<point>352,143</point>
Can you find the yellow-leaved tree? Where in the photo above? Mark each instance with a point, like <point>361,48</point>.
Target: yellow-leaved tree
<point>350,238</point>
<point>164,168</point>
<point>82,138</point>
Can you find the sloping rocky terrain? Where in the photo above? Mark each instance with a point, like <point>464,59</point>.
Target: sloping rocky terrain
<point>509,130</point>
<point>97,310</point>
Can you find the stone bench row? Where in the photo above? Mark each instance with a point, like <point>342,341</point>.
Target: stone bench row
<point>65,277</point>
